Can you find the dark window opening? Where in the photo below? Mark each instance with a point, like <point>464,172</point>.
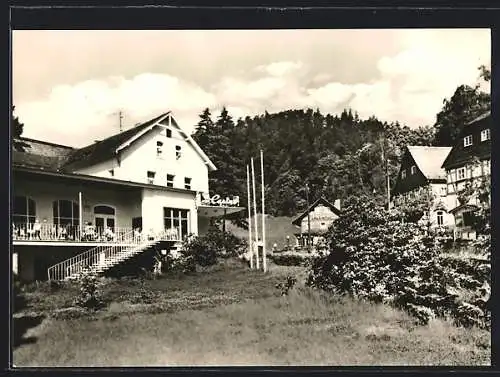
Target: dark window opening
<point>24,210</point>
<point>170,180</point>
<point>151,177</point>
<point>65,212</point>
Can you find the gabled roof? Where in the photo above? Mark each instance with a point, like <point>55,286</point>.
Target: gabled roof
<point>321,200</point>
<point>108,148</point>
<point>105,149</point>
<point>480,117</point>
<point>37,161</point>
<point>464,207</point>
<point>429,160</point>
<point>460,155</point>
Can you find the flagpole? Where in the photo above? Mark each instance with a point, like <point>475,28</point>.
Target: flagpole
<point>256,229</point>
<point>264,262</point>
<point>249,219</point>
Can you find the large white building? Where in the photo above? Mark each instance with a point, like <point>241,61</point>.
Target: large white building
<point>147,183</point>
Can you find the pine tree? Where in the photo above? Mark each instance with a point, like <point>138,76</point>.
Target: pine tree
<point>16,131</point>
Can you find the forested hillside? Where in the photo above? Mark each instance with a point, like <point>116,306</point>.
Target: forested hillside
<point>336,155</point>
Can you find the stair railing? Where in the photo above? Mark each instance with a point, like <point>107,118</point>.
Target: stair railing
<point>102,254</point>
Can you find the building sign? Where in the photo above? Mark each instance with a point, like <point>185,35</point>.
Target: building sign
<point>216,200</point>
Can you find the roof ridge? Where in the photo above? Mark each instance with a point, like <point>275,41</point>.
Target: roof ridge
<point>44,142</point>
<point>123,132</point>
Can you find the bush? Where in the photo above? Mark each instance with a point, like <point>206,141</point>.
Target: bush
<point>287,285</point>
<point>89,293</point>
<point>373,256</point>
<point>207,248</point>
<point>179,262</point>
<point>290,259</point>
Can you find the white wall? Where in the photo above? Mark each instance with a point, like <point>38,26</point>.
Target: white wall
<point>127,203</point>
<point>102,169</point>
<point>153,202</point>
<point>321,218</point>
<point>454,185</point>
<point>141,157</point>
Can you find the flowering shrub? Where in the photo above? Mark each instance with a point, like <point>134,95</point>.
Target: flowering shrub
<point>89,294</point>
<point>207,248</point>
<point>375,257</point>
<point>177,261</point>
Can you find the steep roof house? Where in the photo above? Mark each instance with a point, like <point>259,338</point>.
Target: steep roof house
<point>420,172</point>
<point>468,163</point>
<point>139,189</point>
<point>317,218</point>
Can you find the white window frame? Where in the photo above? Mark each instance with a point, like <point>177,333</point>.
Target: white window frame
<point>170,182</point>
<point>468,141</point>
<point>188,183</point>
<point>150,180</point>
<point>458,173</point>
<point>485,134</point>
<point>413,170</point>
<point>159,148</point>
<point>178,152</point>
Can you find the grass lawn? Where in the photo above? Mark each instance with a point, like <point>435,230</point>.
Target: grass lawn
<point>230,315</point>
<point>277,228</point>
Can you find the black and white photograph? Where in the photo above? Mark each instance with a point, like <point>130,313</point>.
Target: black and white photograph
<point>281,197</point>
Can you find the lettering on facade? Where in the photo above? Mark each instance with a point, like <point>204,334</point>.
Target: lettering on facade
<point>216,200</point>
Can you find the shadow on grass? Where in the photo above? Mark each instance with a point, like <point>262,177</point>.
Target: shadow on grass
<point>22,325</point>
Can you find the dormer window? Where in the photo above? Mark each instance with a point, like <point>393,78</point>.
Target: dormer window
<point>178,152</point>
<point>151,177</point>
<point>485,134</point>
<point>413,170</point>
<point>403,174</point>
<point>187,183</point>
<point>468,141</point>
<point>159,148</point>
<point>170,180</point>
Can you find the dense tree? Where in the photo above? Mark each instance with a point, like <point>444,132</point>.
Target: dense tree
<point>336,155</point>
<point>466,104</point>
<point>16,131</point>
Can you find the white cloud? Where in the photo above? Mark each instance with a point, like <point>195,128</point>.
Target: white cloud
<point>410,87</point>
<point>280,68</point>
<point>78,114</point>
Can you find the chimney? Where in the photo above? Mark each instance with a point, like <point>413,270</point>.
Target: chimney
<point>336,204</point>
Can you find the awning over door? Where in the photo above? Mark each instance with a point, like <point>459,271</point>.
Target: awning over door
<point>217,211</point>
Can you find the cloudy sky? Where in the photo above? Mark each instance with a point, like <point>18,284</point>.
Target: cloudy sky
<point>68,86</point>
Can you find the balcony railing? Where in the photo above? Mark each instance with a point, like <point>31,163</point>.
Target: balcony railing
<point>75,233</point>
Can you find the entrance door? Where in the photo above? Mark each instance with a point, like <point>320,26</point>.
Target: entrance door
<point>104,219</point>
<point>137,223</point>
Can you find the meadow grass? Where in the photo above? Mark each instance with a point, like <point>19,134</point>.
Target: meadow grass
<point>229,315</point>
